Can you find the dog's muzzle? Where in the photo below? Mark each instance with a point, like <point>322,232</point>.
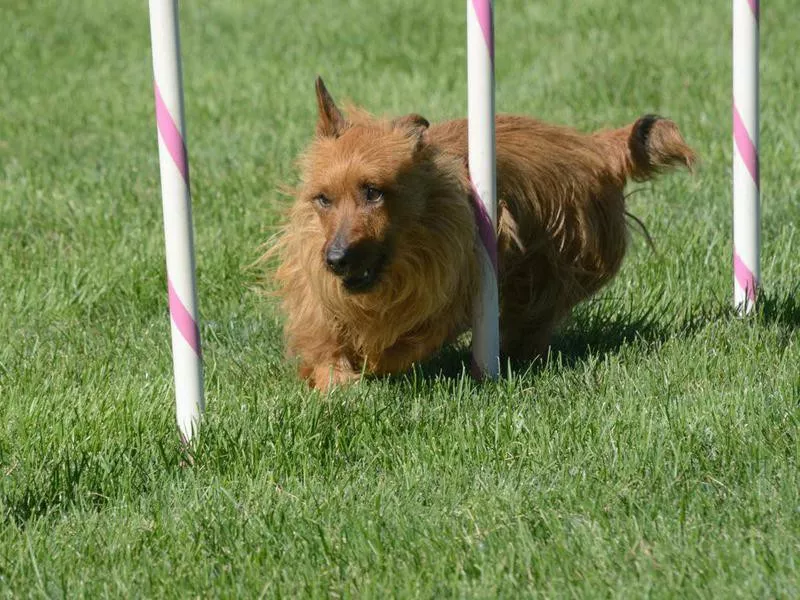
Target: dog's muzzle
<point>359,265</point>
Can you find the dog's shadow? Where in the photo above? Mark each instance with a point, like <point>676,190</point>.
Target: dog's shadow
<point>589,332</point>
<point>601,327</point>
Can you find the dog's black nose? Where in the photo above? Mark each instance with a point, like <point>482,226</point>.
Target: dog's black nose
<point>337,258</point>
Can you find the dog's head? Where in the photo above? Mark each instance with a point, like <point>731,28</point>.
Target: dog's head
<point>363,178</point>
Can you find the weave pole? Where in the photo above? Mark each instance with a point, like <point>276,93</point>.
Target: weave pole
<point>480,101</point>
<point>746,211</point>
<point>177,203</point>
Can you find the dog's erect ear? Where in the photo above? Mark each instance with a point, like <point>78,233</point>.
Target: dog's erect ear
<point>330,121</point>
<point>414,125</point>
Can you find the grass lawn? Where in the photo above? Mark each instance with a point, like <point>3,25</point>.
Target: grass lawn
<point>655,454</point>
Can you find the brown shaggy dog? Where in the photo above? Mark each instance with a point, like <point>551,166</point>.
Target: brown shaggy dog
<point>378,261</point>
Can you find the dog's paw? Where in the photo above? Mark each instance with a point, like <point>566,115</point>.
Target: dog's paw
<point>326,377</point>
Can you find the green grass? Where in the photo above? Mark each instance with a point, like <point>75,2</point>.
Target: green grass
<point>655,454</point>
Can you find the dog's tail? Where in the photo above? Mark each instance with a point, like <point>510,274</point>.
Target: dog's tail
<point>646,148</point>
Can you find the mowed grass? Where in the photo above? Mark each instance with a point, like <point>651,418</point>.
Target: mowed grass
<point>654,454</point>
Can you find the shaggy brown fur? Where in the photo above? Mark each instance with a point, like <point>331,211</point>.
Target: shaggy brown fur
<point>378,260</point>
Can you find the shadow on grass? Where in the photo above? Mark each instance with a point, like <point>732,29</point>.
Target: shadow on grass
<point>596,328</point>
<point>780,309</point>
<point>604,327</point>
<point>67,478</point>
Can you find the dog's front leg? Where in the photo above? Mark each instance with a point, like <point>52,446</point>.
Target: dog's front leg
<point>420,345</point>
<point>328,374</point>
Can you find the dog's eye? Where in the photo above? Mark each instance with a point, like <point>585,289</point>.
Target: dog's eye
<point>373,194</point>
<point>322,200</point>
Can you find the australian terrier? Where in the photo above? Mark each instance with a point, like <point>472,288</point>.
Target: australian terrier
<point>378,265</point>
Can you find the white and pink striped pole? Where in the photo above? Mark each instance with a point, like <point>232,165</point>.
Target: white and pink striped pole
<point>177,206</point>
<point>481,128</point>
<point>746,210</point>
